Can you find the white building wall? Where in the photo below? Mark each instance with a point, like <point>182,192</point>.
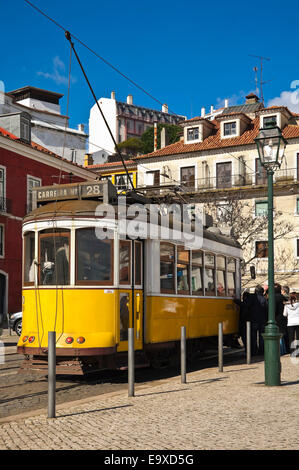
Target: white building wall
<point>99,137</point>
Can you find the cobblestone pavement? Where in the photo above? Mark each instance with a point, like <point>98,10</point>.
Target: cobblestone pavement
<point>214,410</point>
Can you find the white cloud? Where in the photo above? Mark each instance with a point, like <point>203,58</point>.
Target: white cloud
<point>290,99</point>
<point>58,74</point>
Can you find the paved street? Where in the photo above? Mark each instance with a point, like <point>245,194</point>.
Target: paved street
<point>228,410</point>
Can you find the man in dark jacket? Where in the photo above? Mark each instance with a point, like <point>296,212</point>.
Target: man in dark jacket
<point>257,312</point>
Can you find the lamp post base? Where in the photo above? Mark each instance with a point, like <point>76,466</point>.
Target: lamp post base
<point>272,355</point>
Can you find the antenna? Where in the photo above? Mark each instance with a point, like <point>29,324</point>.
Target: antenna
<point>261,73</point>
<point>255,69</point>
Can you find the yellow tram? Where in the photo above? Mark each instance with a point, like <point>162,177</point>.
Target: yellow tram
<point>90,289</point>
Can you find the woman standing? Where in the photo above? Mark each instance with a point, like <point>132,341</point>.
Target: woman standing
<point>291,311</point>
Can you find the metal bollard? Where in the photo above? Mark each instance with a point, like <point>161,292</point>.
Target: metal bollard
<point>131,362</point>
<point>183,354</point>
<point>220,347</point>
<point>51,374</point>
<point>248,342</point>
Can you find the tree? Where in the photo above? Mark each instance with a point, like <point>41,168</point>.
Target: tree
<point>132,146</point>
<point>147,138</point>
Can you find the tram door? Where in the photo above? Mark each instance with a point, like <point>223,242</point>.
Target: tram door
<point>130,295</point>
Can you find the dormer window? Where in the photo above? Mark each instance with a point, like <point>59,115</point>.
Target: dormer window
<point>230,128</point>
<point>193,133</point>
<point>269,121</point>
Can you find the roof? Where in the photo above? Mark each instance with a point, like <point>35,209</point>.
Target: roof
<point>215,142</point>
<point>33,92</point>
<point>243,108</point>
<point>35,146</point>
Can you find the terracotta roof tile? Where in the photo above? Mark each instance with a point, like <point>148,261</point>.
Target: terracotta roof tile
<point>215,142</point>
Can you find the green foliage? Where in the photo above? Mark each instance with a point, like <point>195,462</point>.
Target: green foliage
<point>147,138</point>
<point>132,146</point>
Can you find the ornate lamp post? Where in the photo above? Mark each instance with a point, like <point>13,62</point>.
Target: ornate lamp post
<point>271,146</point>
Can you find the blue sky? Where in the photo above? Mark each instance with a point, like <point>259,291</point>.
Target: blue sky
<point>187,55</point>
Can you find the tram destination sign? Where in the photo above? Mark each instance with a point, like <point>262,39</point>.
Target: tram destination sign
<point>103,190</point>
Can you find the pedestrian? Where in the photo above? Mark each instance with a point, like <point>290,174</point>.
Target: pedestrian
<point>285,290</point>
<point>291,312</point>
<point>243,313</point>
<point>281,321</point>
<point>256,311</point>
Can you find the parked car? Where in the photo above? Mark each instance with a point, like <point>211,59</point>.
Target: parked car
<point>15,322</point>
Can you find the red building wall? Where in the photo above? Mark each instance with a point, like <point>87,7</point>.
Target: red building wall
<point>17,168</point>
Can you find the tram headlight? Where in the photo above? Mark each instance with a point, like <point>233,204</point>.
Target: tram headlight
<point>69,340</point>
<point>31,339</point>
<point>24,339</point>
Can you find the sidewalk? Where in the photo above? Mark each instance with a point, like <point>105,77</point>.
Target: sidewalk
<point>228,410</point>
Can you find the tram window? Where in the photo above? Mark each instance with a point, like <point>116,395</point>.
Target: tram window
<point>231,276</point>
<point>167,267</point>
<point>138,262</point>
<point>182,270</point>
<point>93,258</point>
<point>196,273</point>
<point>209,274</point>
<point>29,244</point>
<point>124,262</point>
<point>221,280</point>
<point>54,258</point>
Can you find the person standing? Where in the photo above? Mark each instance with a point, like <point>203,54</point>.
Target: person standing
<point>291,312</point>
<point>256,311</point>
<point>281,321</point>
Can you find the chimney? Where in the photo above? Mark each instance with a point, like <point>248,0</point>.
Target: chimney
<point>203,112</point>
<point>164,137</point>
<point>212,109</point>
<point>113,95</point>
<point>164,108</point>
<point>155,136</point>
<point>88,159</point>
<point>251,98</point>
<point>226,103</point>
<point>130,99</point>
<point>81,127</point>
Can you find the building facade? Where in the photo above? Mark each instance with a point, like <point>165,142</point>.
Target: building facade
<point>216,164</point>
<point>125,120</point>
<point>24,165</point>
<point>49,128</point>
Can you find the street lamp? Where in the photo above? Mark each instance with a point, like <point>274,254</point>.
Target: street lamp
<point>271,146</point>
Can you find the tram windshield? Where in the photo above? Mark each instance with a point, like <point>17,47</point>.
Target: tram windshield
<point>54,258</point>
<point>94,258</point>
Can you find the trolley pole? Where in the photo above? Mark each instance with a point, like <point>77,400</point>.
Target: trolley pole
<point>220,347</point>
<point>248,342</point>
<point>51,374</point>
<point>183,354</point>
<point>131,362</point>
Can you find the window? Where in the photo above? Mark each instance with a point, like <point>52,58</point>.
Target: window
<point>297,205</point>
<point>31,184</point>
<point>138,263</point>
<point>125,262</point>
<point>261,208</point>
<point>230,128</point>
<point>25,129</point>
<point>297,247</point>
<point>260,173</point>
<point>193,133</point>
<point>231,277</point>
<point>196,273</point>
<point>2,240</point>
<point>153,178</point>
<point>182,271</point>
<point>54,249</point>
<point>261,249</point>
<point>29,251</point>
<point>188,176</point>
<point>122,181</point>
<point>209,274</point>
<point>167,259</point>
<point>221,280</point>
<point>94,258</point>
<point>2,190</point>
<point>224,175</point>
<point>269,121</point>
